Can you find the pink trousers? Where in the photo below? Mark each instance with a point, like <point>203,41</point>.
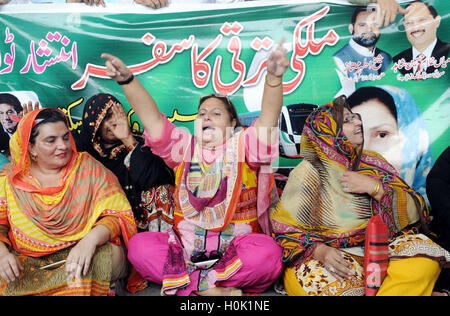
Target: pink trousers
<point>259,254</point>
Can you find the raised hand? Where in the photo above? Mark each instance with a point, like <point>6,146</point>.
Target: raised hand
<point>95,2</point>
<point>28,107</point>
<point>138,97</point>
<point>387,10</point>
<point>272,101</point>
<point>119,123</point>
<point>277,63</point>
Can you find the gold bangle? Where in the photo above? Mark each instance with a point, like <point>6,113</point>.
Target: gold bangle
<point>376,189</point>
<point>274,86</point>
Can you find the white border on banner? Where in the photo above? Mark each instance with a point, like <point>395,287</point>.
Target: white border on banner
<point>132,7</point>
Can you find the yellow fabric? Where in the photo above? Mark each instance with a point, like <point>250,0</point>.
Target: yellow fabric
<point>291,284</point>
<point>312,278</point>
<point>410,277</point>
<point>406,277</point>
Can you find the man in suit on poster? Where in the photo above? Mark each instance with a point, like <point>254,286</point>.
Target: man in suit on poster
<point>9,106</point>
<point>361,59</point>
<point>421,24</point>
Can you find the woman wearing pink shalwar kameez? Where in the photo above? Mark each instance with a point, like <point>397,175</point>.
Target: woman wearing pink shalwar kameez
<point>220,243</point>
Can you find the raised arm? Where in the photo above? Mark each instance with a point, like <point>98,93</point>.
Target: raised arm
<point>272,100</point>
<point>140,100</point>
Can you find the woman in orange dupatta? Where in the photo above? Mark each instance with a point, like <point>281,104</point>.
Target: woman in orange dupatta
<point>57,204</point>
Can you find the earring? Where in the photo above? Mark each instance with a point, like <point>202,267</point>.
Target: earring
<point>33,157</point>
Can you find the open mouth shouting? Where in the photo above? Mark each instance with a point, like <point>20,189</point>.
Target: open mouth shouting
<point>208,130</point>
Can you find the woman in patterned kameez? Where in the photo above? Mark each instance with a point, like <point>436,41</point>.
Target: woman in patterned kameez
<point>325,208</point>
<point>224,188</point>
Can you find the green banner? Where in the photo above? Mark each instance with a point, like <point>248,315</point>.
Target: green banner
<point>179,56</point>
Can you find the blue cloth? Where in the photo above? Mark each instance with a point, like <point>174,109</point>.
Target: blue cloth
<point>417,158</point>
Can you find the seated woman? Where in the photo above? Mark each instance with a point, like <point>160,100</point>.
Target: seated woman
<point>224,188</point>
<point>145,178</point>
<point>324,210</point>
<point>57,204</point>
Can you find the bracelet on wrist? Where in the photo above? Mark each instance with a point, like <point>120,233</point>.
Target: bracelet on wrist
<point>274,85</point>
<point>127,81</point>
<point>376,189</point>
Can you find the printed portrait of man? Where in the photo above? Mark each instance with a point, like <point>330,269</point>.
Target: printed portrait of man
<point>9,106</point>
<point>361,59</point>
<point>421,24</point>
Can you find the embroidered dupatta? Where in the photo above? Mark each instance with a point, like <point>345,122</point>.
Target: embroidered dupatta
<point>215,197</point>
<point>214,205</point>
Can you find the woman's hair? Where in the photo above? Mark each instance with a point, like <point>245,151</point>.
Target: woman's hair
<point>229,106</point>
<point>365,94</point>
<point>339,104</point>
<point>360,9</point>
<point>49,115</point>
